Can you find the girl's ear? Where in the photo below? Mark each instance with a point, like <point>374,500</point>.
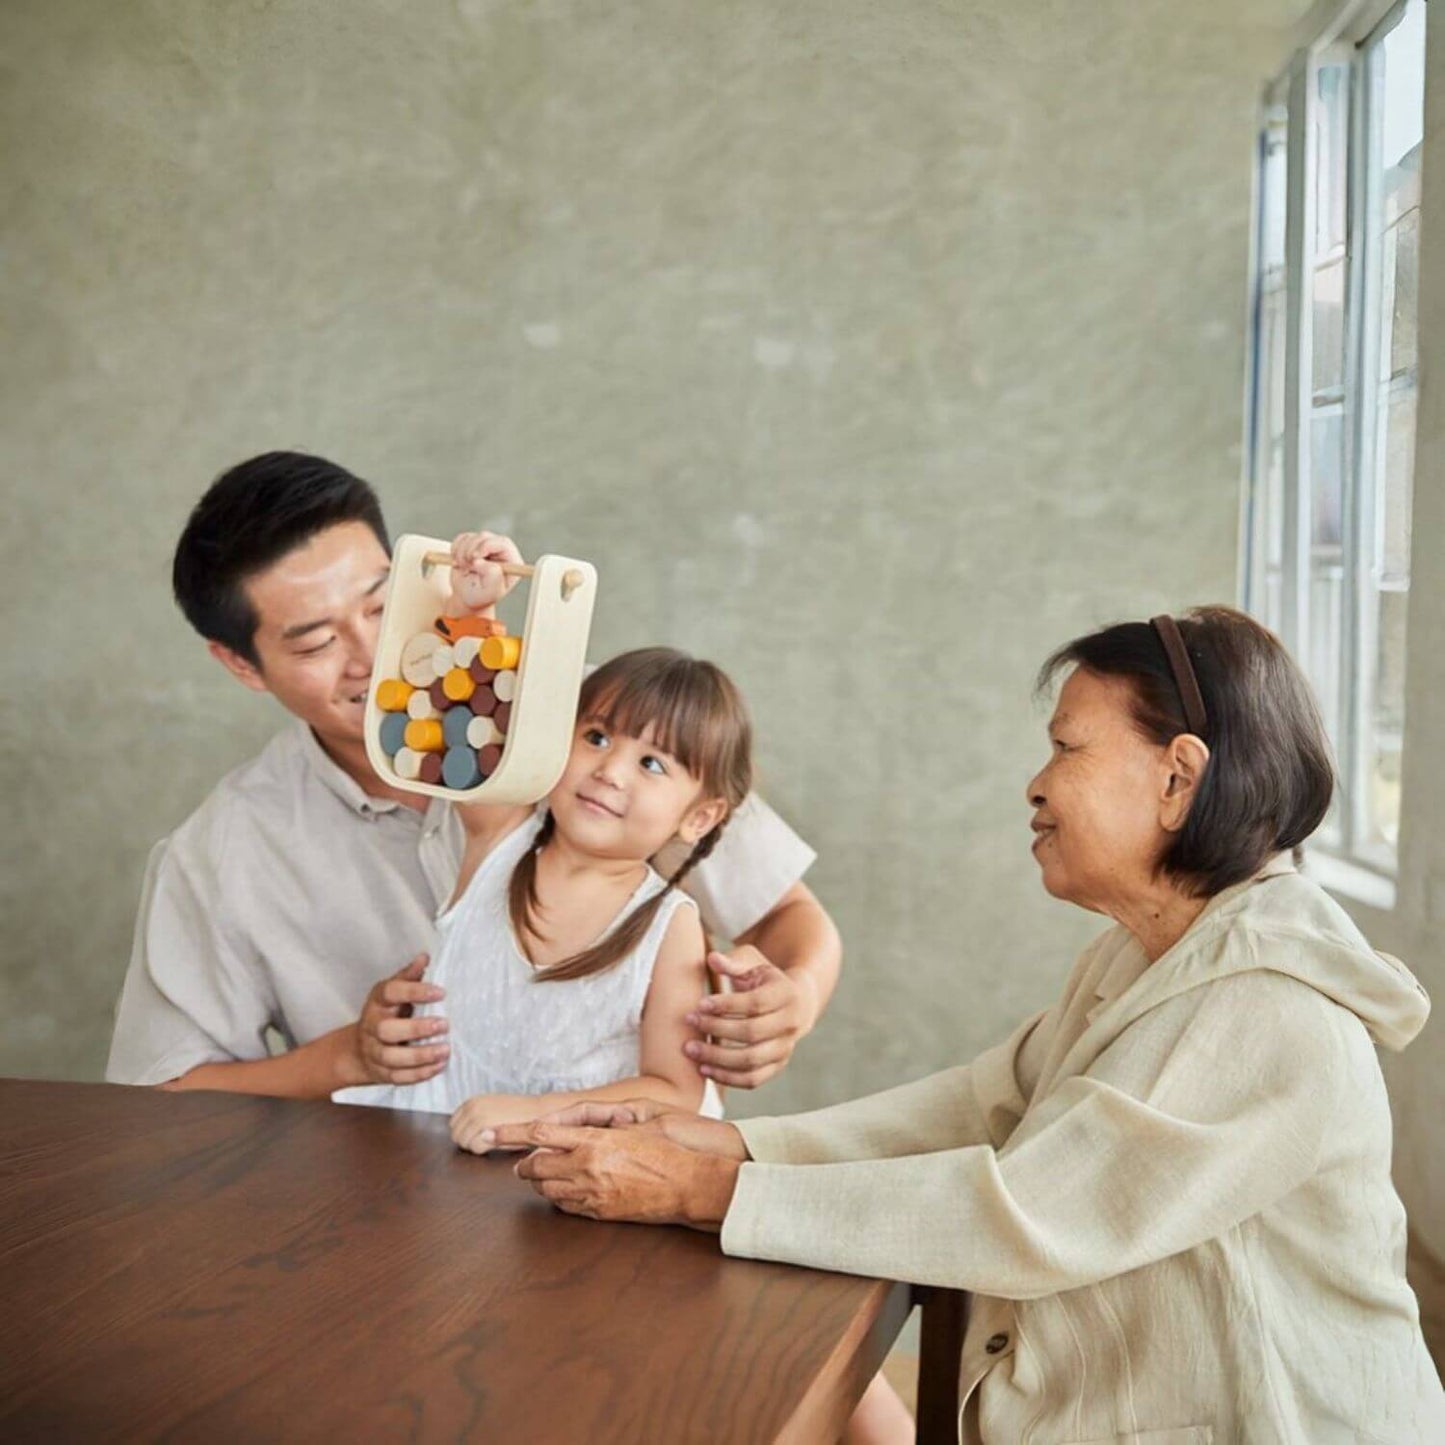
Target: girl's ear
<point>701,819</point>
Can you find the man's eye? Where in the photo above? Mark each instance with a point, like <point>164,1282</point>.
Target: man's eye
<point>320,647</point>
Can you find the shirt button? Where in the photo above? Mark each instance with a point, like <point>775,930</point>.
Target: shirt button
<point>995,1344</point>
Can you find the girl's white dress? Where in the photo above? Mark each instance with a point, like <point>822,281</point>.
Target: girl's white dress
<point>510,1032</point>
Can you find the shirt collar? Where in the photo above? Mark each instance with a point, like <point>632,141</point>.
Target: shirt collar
<point>337,780</point>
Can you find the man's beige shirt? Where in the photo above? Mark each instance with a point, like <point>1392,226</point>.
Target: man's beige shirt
<point>1170,1193</point>
<point>290,892</point>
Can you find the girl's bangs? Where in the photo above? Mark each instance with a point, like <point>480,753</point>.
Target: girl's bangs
<point>657,698</point>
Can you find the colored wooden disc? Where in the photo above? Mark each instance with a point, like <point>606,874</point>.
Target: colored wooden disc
<point>391,694</point>
<point>407,764</point>
<point>456,726</point>
<point>500,652</point>
<point>503,715</point>
<point>465,650</point>
<point>431,769</point>
<point>416,659</point>
<point>479,673</point>
<point>393,733</point>
<point>481,731</point>
<point>424,735</point>
<point>438,694</point>
<point>420,705</point>
<point>459,768</point>
<point>458,684</point>
<point>505,685</point>
<point>483,701</point>
<point>488,758</point>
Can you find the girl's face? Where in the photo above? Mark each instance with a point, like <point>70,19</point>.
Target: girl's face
<point>624,797</point>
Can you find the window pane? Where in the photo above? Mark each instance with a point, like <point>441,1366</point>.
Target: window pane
<point>1328,332</point>
<point>1327,464</point>
<point>1396,78</point>
<point>1331,134</point>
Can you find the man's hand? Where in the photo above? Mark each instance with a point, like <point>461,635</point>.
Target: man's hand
<point>626,1174</point>
<point>757,1026</point>
<point>385,1047</point>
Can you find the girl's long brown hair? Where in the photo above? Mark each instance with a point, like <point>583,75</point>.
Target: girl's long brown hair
<point>698,716</point>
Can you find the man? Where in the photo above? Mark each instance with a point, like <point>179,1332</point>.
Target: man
<point>295,889</point>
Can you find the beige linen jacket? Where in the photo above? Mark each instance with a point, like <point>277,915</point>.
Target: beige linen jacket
<point>1170,1193</point>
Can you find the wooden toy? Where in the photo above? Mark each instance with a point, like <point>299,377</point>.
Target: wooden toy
<point>500,652</point>
<point>481,731</point>
<point>425,735</point>
<point>392,694</point>
<point>393,733</point>
<point>414,662</point>
<point>456,726</point>
<point>458,685</point>
<point>480,748</point>
<point>459,768</point>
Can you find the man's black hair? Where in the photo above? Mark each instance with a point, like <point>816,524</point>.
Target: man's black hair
<point>250,517</point>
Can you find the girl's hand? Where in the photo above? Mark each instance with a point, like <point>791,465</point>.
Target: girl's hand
<point>626,1174</point>
<point>472,551</point>
<point>476,1120</point>
<point>677,1125</point>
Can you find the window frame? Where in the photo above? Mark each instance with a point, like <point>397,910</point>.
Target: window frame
<point>1339,34</point>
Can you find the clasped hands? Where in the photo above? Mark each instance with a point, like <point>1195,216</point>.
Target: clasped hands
<point>641,1161</point>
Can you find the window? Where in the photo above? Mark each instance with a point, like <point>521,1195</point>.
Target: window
<point>1332,416</point>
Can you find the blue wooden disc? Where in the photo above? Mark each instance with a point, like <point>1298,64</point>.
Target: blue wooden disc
<point>459,768</point>
<point>455,722</point>
<point>393,732</point>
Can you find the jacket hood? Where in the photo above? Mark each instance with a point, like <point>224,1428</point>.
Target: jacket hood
<point>1290,925</point>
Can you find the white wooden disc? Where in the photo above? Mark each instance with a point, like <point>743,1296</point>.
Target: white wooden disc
<point>416,656</point>
<point>504,684</point>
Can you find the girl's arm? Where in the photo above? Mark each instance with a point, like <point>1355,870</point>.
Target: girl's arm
<point>485,825</point>
<point>666,1074</point>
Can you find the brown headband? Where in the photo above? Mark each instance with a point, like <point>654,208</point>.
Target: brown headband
<point>1183,670</point>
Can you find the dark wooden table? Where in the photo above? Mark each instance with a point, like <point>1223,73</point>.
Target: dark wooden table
<point>215,1267</point>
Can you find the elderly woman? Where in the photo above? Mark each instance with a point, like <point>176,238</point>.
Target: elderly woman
<point>1170,1192</point>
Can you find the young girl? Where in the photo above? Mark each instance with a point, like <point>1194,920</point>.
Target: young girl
<point>568,963</point>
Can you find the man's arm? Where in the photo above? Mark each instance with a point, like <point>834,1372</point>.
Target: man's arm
<point>381,1047</point>
<point>783,970</point>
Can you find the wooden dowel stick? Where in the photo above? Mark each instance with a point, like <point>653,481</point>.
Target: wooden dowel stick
<point>444,559</point>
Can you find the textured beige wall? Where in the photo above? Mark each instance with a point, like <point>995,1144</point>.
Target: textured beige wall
<point>869,349</point>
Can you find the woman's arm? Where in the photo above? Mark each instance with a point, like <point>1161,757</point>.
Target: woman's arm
<point>1198,1116</point>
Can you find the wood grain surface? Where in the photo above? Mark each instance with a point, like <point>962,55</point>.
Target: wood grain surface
<point>205,1266</point>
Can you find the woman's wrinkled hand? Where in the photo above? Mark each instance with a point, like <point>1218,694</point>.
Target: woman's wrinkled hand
<point>670,1121</point>
<point>630,1174</point>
